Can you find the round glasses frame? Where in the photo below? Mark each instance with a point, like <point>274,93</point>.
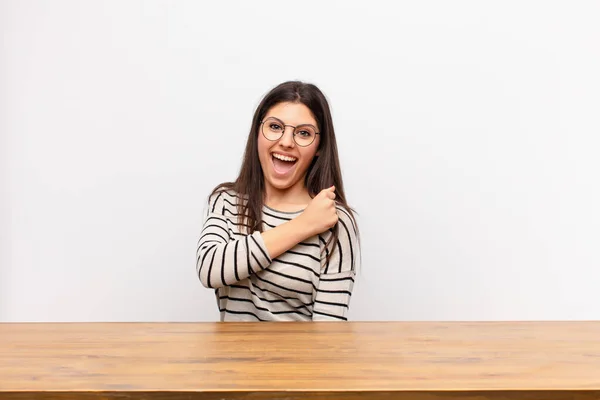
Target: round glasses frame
<point>295,132</point>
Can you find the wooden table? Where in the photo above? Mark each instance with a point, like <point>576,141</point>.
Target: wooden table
<point>346,360</point>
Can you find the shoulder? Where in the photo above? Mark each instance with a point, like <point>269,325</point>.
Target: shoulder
<point>347,222</point>
<point>223,198</point>
<point>345,251</point>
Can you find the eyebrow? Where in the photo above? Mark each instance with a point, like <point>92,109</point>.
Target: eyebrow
<point>280,120</point>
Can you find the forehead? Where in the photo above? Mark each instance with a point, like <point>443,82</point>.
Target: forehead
<point>292,114</point>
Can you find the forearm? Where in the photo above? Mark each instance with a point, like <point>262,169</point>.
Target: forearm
<point>285,236</point>
<point>333,296</point>
<point>221,261</point>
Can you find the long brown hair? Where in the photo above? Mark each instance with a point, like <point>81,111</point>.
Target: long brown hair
<point>323,172</point>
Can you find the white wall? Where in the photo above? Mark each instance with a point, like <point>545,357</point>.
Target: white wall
<point>468,132</point>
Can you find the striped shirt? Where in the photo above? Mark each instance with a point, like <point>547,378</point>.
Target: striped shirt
<point>299,285</point>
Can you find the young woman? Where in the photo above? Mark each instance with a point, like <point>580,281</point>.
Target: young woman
<point>281,243</point>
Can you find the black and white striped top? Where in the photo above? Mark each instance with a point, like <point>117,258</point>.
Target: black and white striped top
<point>299,285</point>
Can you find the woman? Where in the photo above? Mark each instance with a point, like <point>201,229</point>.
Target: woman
<point>281,243</point>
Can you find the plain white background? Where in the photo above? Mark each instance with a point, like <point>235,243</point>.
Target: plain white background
<point>468,134</point>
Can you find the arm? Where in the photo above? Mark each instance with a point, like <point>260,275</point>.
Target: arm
<point>221,261</point>
<point>285,236</point>
<point>337,276</point>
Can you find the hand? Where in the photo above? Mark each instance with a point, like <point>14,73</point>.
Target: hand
<point>321,214</point>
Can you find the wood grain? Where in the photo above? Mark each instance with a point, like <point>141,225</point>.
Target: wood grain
<point>370,395</point>
<point>378,360</point>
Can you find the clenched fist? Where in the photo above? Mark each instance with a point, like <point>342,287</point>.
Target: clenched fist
<point>321,214</point>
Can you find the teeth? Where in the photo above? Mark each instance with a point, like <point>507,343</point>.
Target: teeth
<point>283,158</point>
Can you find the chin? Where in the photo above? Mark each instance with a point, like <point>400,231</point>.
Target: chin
<point>282,185</point>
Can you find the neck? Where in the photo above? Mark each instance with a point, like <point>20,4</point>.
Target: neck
<point>295,196</point>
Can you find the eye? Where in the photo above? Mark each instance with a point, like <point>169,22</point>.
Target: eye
<point>305,133</point>
<point>274,126</point>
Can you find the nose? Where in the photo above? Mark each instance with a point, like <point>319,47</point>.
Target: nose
<point>287,139</point>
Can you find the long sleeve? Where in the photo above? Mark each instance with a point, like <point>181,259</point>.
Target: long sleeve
<point>221,259</point>
<point>336,282</point>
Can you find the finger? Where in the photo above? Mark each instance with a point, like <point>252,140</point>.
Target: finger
<point>334,221</point>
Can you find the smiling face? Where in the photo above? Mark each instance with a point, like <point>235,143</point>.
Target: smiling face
<point>284,163</point>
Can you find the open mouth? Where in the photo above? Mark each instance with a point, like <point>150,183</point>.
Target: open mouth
<point>283,164</point>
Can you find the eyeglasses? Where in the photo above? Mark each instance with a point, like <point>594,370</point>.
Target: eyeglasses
<point>273,128</point>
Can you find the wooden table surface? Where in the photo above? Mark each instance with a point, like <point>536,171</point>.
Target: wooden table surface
<point>347,360</point>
